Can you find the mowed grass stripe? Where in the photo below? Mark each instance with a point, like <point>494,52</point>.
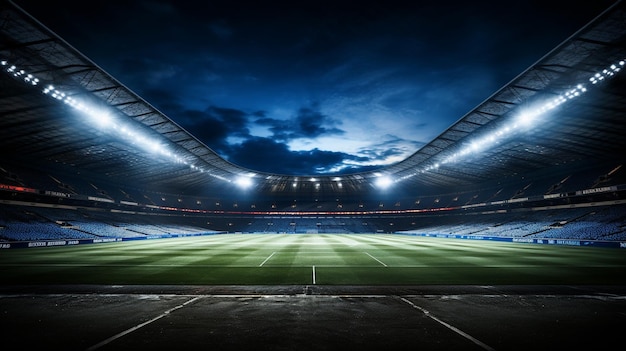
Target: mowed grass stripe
<point>395,252</point>
<point>339,259</point>
<point>169,250</point>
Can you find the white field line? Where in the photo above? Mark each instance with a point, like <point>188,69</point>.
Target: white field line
<point>268,257</point>
<point>313,275</point>
<point>119,265</point>
<point>377,260</point>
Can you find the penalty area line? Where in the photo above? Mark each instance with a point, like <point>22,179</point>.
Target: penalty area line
<point>267,259</point>
<point>377,260</point>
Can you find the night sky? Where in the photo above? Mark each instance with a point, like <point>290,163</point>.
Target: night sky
<point>314,87</point>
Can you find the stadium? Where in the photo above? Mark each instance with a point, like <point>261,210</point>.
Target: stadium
<point>121,230</point>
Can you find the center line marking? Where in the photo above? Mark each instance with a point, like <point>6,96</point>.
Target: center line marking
<point>270,256</point>
<point>379,261</point>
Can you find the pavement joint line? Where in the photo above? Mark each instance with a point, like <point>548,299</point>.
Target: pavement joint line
<point>449,326</point>
<point>138,326</point>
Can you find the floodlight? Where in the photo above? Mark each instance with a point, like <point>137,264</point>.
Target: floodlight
<point>244,182</point>
<point>383,181</point>
<point>526,118</point>
<point>103,119</point>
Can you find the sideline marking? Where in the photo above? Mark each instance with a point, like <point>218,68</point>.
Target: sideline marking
<point>270,256</point>
<point>313,275</point>
<point>379,261</point>
<point>119,335</point>
<point>458,331</point>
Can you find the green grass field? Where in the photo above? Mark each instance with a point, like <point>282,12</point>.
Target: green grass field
<point>307,259</point>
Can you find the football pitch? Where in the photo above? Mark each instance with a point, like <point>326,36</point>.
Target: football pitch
<point>313,259</point>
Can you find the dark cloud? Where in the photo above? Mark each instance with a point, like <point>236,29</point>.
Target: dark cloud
<point>389,148</point>
<point>215,125</point>
<point>236,120</point>
<point>308,122</point>
<point>267,155</point>
<point>212,131</point>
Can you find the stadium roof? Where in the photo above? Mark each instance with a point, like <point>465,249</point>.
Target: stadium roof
<point>53,98</point>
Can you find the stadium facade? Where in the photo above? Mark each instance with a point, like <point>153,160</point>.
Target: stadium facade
<point>540,160</point>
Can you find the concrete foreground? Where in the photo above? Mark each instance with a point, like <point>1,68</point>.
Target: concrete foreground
<point>312,317</point>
